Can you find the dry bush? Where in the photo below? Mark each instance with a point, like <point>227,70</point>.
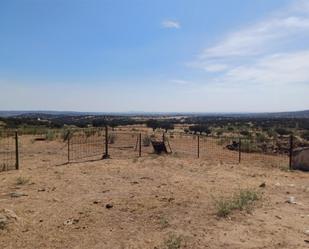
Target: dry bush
<point>22,180</point>
<point>240,201</point>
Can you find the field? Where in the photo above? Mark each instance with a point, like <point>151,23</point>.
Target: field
<point>149,202</point>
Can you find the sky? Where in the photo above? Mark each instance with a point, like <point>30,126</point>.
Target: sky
<point>154,55</point>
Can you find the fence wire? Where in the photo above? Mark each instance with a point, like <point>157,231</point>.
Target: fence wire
<point>7,150</point>
<point>85,144</point>
<point>123,145</point>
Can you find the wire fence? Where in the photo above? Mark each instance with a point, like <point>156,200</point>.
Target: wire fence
<point>8,150</point>
<point>75,145</point>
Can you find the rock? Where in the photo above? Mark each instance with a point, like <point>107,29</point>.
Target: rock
<point>71,221</point>
<point>109,206</point>
<point>6,216</point>
<point>291,200</point>
<point>10,214</point>
<point>262,185</point>
<point>17,194</point>
<point>306,232</point>
<point>3,221</point>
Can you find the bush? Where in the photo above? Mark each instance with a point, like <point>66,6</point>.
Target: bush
<point>146,141</point>
<point>245,133</point>
<point>305,135</point>
<point>283,131</point>
<point>238,201</point>
<point>249,146</point>
<point>50,135</point>
<point>111,138</point>
<point>22,180</point>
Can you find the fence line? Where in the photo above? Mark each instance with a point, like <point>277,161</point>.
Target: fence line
<point>103,143</point>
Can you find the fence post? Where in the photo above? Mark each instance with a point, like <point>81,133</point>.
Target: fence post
<point>69,134</point>
<point>16,151</point>
<point>106,155</point>
<point>140,145</point>
<point>198,146</point>
<point>291,151</point>
<point>239,150</point>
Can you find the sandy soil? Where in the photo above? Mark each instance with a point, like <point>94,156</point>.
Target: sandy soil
<point>153,199</point>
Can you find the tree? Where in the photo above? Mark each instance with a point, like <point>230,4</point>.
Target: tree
<point>153,124</point>
<point>166,126</point>
<point>200,128</point>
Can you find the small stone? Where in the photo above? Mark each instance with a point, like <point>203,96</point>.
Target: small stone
<point>278,217</point>
<point>17,194</point>
<point>41,190</point>
<point>109,206</point>
<point>262,185</point>
<point>71,221</point>
<point>307,232</point>
<point>291,200</point>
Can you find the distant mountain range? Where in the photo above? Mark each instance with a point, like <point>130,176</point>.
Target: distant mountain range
<point>50,114</point>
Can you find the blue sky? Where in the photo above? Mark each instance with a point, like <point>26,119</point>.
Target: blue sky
<point>138,55</point>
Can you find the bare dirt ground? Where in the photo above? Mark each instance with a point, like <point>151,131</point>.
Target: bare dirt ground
<point>154,201</point>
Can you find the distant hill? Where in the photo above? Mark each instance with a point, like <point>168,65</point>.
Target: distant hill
<point>54,114</point>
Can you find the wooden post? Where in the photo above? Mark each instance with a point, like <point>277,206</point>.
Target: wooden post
<point>16,151</point>
<point>140,145</point>
<point>198,146</point>
<point>239,150</point>
<point>291,151</point>
<point>106,155</point>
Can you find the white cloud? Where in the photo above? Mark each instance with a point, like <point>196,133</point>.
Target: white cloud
<point>272,51</point>
<point>170,24</point>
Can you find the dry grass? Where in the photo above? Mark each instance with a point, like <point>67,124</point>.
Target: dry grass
<point>239,201</point>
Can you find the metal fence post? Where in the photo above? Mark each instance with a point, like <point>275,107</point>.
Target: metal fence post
<point>198,146</point>
<point>106,155</point>
<point>16,151</point>
<point>239,150</point>
<point>291,151</point>
<point>69,134</point>
<point>140,145</point>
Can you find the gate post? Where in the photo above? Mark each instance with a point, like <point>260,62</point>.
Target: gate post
<point>291,151</point>
<point>106,155</point>
<point>16,151</point>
